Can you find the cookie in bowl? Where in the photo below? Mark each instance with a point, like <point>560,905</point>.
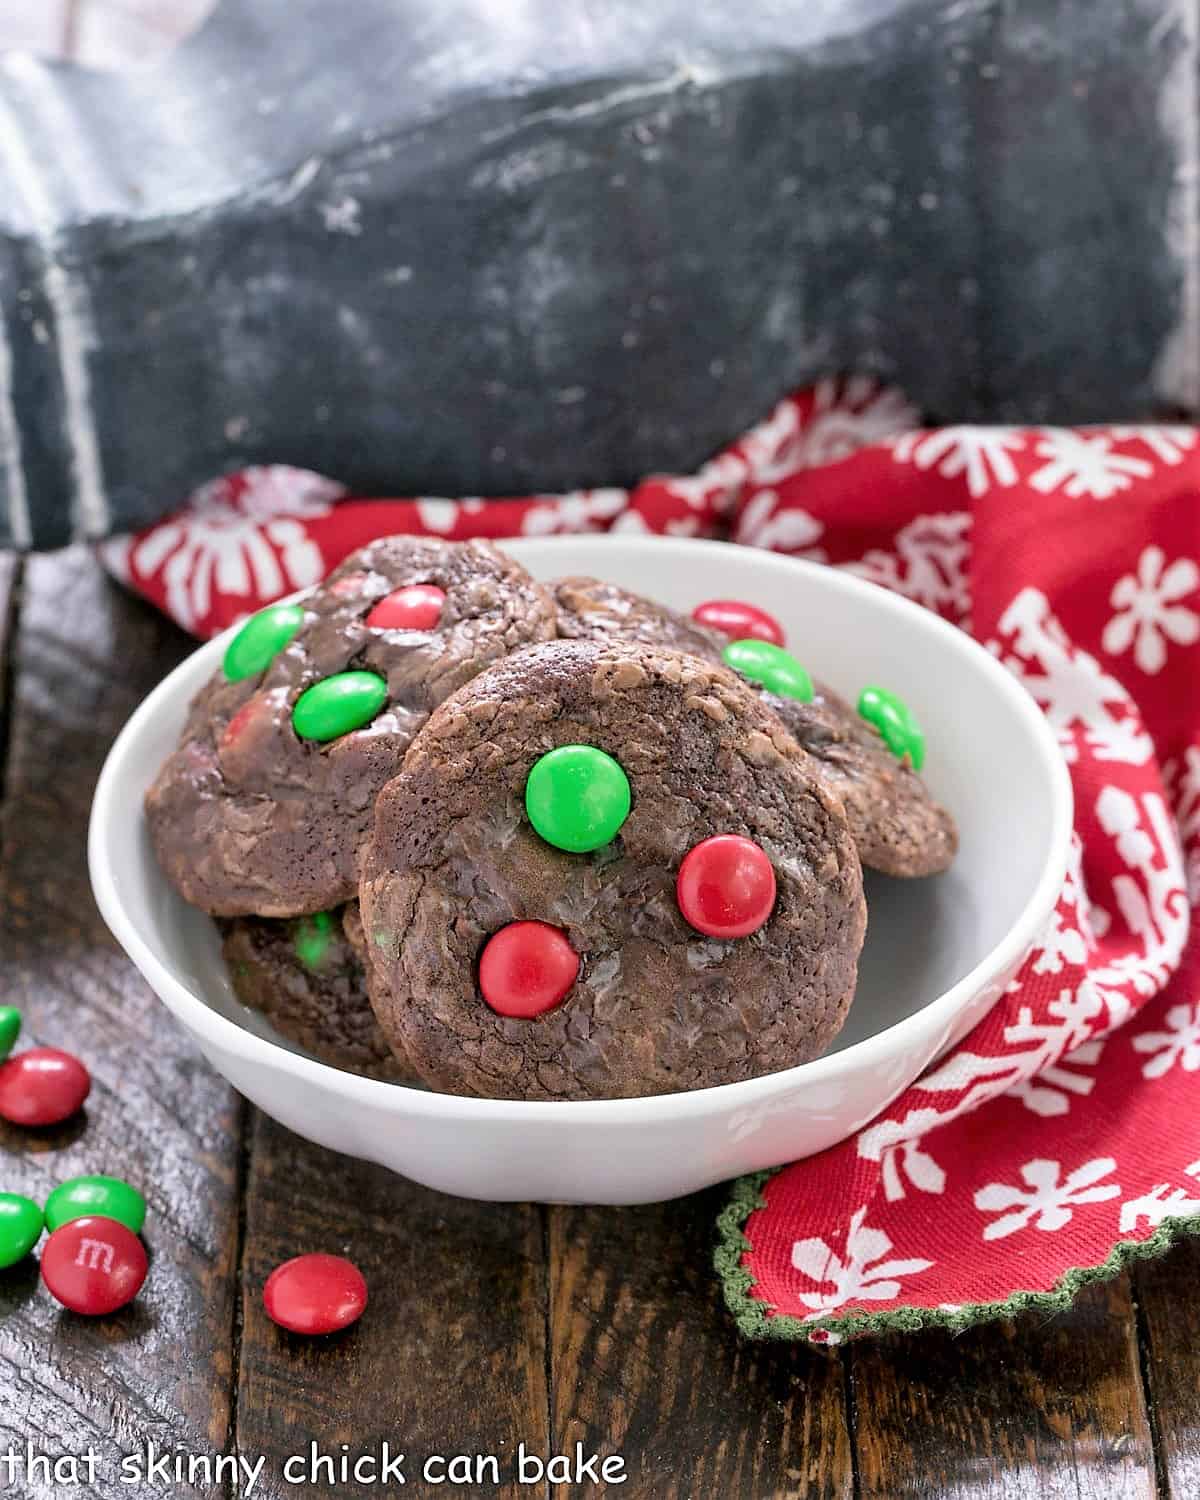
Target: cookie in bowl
<point>590,609</point>
<point>606,870</point>
<point>306,976</point>
<point>900,829</point>
<point>898,826</point>
<point>261,808</point>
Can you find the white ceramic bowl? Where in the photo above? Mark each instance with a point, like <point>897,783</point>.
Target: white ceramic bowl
<point>938,952</point>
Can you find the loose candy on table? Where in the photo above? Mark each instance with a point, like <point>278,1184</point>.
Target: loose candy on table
<point>315,1294</point>
<point>726,886</point>
<point>577,798</point>
<point>42,1087</point>
<point>106,1197</point>
<point>771,667</point>
<point>527,969</point>
<point>895,721</point>
<point>10,1029</point>
<point>21,1223</point>
<point>261,639</point>
<point>336,705</point>
<point>417,607</point>
<point>94,1265</point>
<point>739,621</point>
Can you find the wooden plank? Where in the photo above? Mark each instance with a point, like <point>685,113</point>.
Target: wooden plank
<point>646,1363</point>
<point>450,1357</point>
<point>10,576</point>
<point>159,1371</point>
<point>1169,1321</point>
<point>1038,1406</point>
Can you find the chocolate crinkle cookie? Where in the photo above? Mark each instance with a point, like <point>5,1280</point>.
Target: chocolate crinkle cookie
<point>305,974</point>
<point>606,870</point>
<point>591,610</point>
<point>263,806</point>
<point>898,826</point>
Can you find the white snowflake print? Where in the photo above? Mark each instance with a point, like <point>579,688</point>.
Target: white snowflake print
<point>898,1148</point>
<point>442,516</point>
<point>1051,1092</point>
<point>1047,1201</point>
<point>1051,1049</point>
<point>980,455</point>
<point>1083,464</point>
<point>1180,1043</point>
<point>1169,444</point>
<point>1061,943</point>
<point>762,524</point>
<point>1151,900</point>
<point>252,543</point>
<point>581,510</point>
<point>844,418</point>
<point>1092,920</point>
<point>1149,612</point>
<point>1161,1202</point>
<point>930,564</point>
<point>630,522</point>
<point>864,1276</point>
<point>714,489</point>
<point>1070,1021</point>
<point>1183,780</point>
<point>1071,686</point>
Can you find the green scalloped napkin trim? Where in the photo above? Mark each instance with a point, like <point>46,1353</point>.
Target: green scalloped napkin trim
<point>751,1313</point>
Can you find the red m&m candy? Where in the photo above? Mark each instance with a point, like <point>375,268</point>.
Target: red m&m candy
<point>527,969</point>
<point>726,886</point>
<point>242,720</point>
<point>94,1265</point>
<point>417,607</point>
<point>739,621</point>
<point>42,1087</point>
<point>315,1294</point>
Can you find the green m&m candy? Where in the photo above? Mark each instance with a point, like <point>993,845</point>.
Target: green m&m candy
<point>10,1026</point>
<point>338,704</point>
<point>895,722</point>
<point>108,1197</point>
<point>311,937</point>
<point>20,1227</point>
<point>260,640</point>
<point>771,667</point>
<point>577,797</point>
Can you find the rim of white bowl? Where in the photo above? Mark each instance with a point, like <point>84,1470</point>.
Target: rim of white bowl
<point>227,1034</point>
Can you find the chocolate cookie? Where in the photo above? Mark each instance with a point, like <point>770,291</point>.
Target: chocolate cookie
<point>261,809</point>
<point>591,610</point>
<point>898,827</point>
<point>551,826</point>
<point>306,976</point>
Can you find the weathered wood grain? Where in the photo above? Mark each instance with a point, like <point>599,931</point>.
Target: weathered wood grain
<point>450,1356</point>
<point>84,654</point>
<point>1169,1321</point>
<point>1039,1406</point>
<point>647,1363</point>
<point>10,574</point>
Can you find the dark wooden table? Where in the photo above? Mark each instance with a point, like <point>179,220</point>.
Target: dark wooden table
<point>489,1325</point>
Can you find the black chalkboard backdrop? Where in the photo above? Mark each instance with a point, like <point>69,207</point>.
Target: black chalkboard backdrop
<point>470,247</point>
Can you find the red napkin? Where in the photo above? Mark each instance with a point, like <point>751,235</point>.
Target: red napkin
<point>1062,1136</point>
